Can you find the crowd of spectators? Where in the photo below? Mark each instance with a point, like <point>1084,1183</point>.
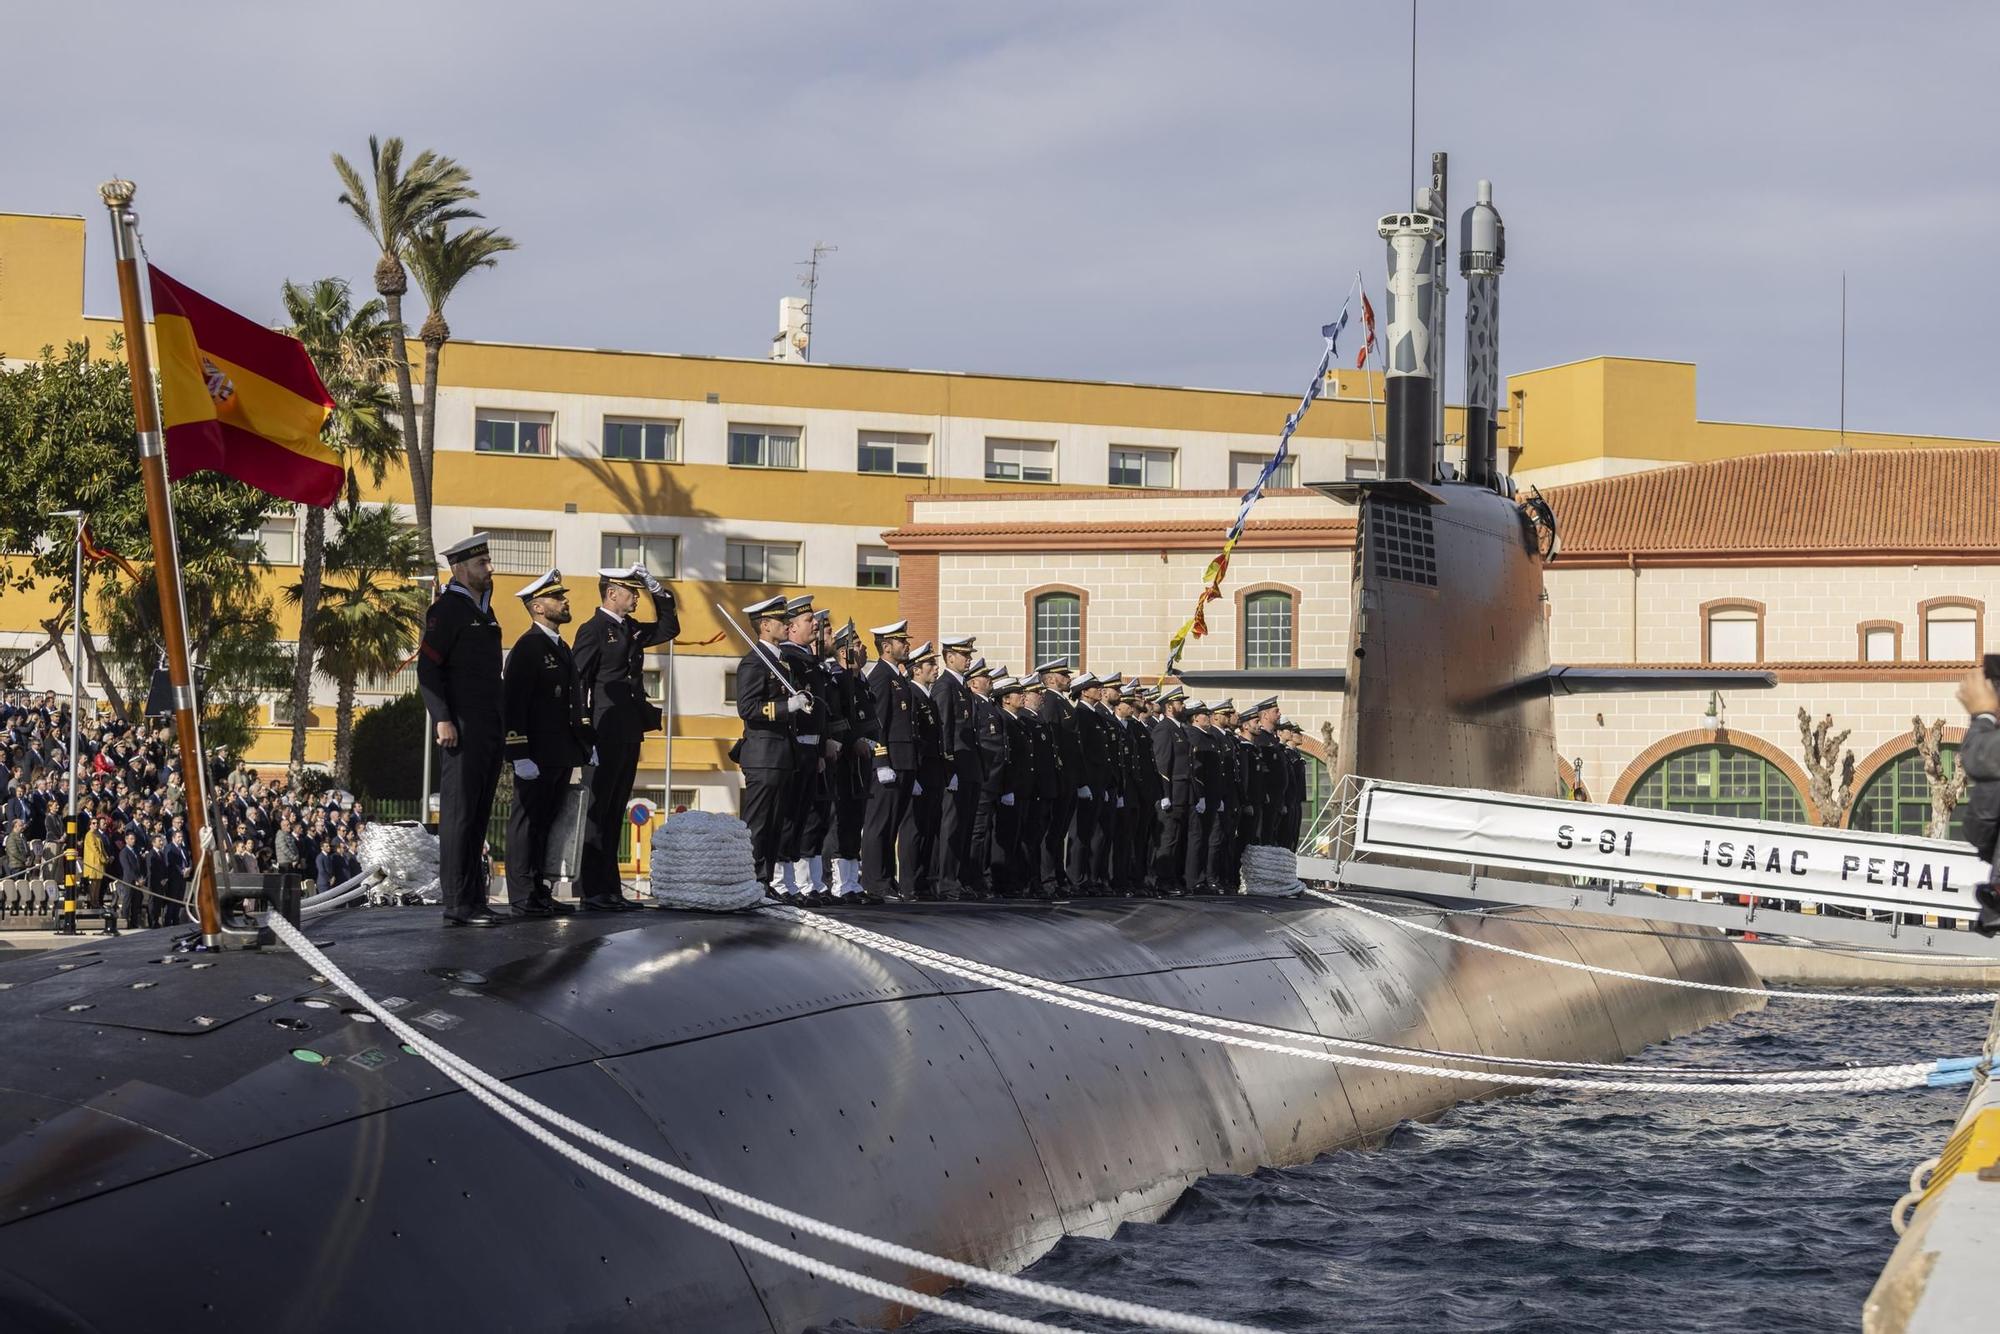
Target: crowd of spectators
<point>132,806</point>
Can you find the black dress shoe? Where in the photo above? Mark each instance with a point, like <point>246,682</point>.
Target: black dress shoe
<point>473,917</point>
<point>536,910</point>
<point>558,908</point>
<point>606,903</point>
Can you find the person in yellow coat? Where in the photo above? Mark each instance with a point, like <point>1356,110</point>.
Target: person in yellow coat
<point>94,860</point>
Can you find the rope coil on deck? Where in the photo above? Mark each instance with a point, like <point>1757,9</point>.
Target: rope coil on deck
<point>1862,1079</point>
<point>510,1103</point>
<point>1961,998</point>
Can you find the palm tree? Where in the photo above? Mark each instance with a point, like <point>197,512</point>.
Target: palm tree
<point>351,348</point>
<point>369,614</point>
<point>392,204</point>
<point>440,262</point>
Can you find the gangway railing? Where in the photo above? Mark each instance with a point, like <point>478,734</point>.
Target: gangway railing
<point>1466,847</point>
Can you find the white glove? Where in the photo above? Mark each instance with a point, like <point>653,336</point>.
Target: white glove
<point>527,769</point>
<point>917,788</point>
<point>1121,803</point>
<point>952,786</point>
<point>593,757</point>
<point>1201,805</point>
<point>885,775</point>
<point>1165,803</point>
<point>1006,798</point>
<point>1083,794</point>
<point>798,702</point>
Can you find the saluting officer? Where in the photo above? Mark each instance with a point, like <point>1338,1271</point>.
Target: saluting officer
<point>1295,784</point>
<point>852,774</point>
<point>548,735</point>
<point>798,877</point>
<point>769,708</point>
<point>1271,774</point>
<point>458,675</point>
<point>611,672</point>
<point>895,759</point>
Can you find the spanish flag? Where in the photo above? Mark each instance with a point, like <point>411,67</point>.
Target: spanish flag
<point>240,399</point>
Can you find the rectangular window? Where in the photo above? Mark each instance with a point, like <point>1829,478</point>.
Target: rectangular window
<point>396,684</point>
<point>651,682</point>
<point>1059,628</point>
<point>682,799</point>
<point>1732,636</point>
<point>1267,630</point>
<point>1020,460</point>
<point>900,453</point>
<point>510,431</point>
<point>729,686</point>
<point>1142,467</point>
<point>642,440</point>
<point>661,553</point>
<point>875,567</point>
<point>521,550</point>
<point>1880,645</point>
<point>1949,635</point>
<point>1363,470</point>
<point>762,563</point>
<point>765,447</point>
<point>279,538</point>
<point>1245,468</point>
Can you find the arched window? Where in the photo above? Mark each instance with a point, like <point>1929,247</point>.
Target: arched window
<point>1897,800</point>
<point>1732,630</point>
<point>1953,629</point>
<point>1723,781</point>
<point>1267,628</point>
<point>1056,626</point>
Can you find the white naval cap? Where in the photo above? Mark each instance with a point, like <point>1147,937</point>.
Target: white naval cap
<point>471,548</point>
<point>549,585</point>
<point>772,606</point>
<point>894,630</point>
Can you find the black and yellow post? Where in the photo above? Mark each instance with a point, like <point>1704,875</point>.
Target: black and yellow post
<point>66,923</point>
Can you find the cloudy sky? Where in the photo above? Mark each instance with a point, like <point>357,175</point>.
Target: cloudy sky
<point>1161,192</point>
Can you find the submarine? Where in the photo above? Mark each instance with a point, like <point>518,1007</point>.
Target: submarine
<point>229,1140</point>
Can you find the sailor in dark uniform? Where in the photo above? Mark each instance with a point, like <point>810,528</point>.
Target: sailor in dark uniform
<point>548,735</point>
<point>1173,761</point>
<point>800,871</point>
<point>1059,718</point>
<point>989,778</point>
<point>771,710</point>
<point>958,804</point>
<point>1210,776</point>
<point>1271,778</point>
<point>611,674</point>
<point>916,839</point>
<point>852,773</point>
<point>1008,872</point>
<point>458,675</point>
<point>1289,735</point>
<point>1045,780</point>
<point>1236,803</point>
<point>894,737</point>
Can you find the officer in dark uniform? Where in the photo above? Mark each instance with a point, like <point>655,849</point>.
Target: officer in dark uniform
<point>1133,865</point>
<point>1045,779</point>
<point>916,839</point>
<point>770,709</point>
<point>958,804</point>
<point>894,773</point>
<point>458,675</point>
<point>1209,781</point>
<point>1173,761</point>
<point>1059,718</point>
<point>852,773</point>
<point>1272,780</point>
<point>548,735</point>
<point>798,876</point>
<point>611,673</point>
<point>1290,736</point>
<point>1010,874</point>
<point>989,775</point>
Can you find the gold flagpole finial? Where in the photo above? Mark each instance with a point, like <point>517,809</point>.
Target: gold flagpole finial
<point>117,193</point>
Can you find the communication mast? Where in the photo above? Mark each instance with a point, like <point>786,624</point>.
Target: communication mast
<point>810,281</point>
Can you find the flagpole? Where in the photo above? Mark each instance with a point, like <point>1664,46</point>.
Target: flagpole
<point>117,196</point>
<point>1368,336</point>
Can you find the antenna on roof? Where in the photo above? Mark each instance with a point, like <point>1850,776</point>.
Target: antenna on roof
<point>810,281</point>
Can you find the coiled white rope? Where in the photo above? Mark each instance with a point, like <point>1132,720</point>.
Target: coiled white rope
<point>876,940</point>
<point>1956,998</point>
<point>1862,1079</point>
<point>504,1099</point>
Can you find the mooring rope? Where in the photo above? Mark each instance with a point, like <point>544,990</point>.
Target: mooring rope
<point>1916,1074</point>
<point>1955,998</point>
<point>504,1099</point>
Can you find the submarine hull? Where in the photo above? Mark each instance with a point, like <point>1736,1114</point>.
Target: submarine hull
<point>232,1147</point>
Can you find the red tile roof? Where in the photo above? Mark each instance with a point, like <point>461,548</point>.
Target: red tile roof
<point>1903,501</point>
